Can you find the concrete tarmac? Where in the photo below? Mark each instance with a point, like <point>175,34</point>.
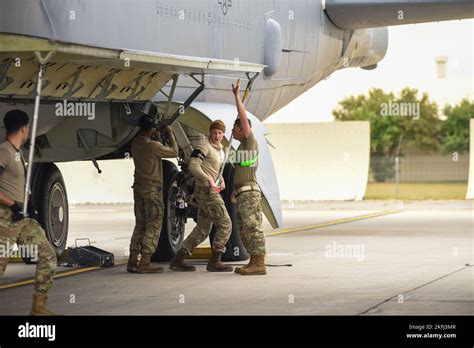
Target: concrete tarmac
<point>330,258</point>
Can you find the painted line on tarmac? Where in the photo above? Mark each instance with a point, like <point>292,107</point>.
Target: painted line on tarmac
<point>304,228</point>
<point>57,276</point>
<point>374,309</point>
<point>334,222</point>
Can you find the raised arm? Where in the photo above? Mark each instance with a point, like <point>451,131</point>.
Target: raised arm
<point>244,121</point>
<point>171,151</point>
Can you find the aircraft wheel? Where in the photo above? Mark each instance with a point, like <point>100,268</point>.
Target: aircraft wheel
<point>174,219</point>
<point>49,197</point>
<point>235,250</point>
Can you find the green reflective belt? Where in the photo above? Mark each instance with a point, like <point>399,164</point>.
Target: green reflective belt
<point>249,162</point>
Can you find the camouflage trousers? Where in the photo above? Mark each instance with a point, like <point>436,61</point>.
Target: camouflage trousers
<point>249,222</point>
<point>211,211</point>
<point>28,235</point>
<point>148,207</point>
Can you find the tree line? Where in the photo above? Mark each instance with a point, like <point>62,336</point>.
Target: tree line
<point>407,120</point>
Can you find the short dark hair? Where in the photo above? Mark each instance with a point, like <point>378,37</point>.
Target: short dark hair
<point>239,124</point>
<point>14,120</point>
<point>146,123</point>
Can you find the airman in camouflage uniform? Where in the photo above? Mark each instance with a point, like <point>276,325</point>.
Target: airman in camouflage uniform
<point>205,164</point>
<point>247,194</point>
<point>148,194</point>
<point>14,226</point>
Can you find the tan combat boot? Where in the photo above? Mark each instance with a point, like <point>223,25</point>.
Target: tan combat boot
<point>251,262</point>
<point>147,267</point>
<point>177,264</point>
<point>132,265</point>
<point>39,305</point>
<point>215,264</point>
<point>258,267</point>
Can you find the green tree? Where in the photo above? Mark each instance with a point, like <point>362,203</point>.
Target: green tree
<point>422,132</point>
<point>455,129</point>
<point>389,126</point>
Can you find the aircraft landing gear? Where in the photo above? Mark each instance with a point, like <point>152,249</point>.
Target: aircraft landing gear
<point>174,221</point>
<point>235,250</point>
<point>49,198</point>
<point>45,183</point>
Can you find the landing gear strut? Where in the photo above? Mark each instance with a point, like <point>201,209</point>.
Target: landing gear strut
<point>45,183</point>
<point>174,195</point>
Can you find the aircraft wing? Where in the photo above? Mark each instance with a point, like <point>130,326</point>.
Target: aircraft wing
<point>92,73</point>
<point>359,14</point>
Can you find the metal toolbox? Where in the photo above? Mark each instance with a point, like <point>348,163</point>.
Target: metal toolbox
<point>89,256</point>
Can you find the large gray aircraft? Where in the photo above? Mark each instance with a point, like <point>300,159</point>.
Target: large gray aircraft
<point>94,67</point>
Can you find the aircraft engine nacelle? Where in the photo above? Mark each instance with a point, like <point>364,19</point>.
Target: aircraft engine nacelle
<point>364,48</point>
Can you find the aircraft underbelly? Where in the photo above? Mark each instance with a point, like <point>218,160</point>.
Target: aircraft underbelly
<point>74,74</point>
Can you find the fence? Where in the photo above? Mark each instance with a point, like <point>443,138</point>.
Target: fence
<point>420,168</point>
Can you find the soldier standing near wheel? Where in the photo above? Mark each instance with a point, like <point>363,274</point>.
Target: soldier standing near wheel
<point>14,226</point>
<point>205,163</point>
<point>148,194</point>
<point>247,194</point>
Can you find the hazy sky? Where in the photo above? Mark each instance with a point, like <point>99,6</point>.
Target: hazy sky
<point>410,61</point>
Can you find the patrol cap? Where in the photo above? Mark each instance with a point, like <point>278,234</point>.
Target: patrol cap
<point>218,124</point>
<point>146,123</point>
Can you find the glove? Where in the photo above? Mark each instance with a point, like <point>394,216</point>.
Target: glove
<point>17,212</point>
<point>32,212</point>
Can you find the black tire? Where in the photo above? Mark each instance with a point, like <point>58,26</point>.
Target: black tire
<point>235,250</point>
<point>174,219</point>
<point>49,197</point>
